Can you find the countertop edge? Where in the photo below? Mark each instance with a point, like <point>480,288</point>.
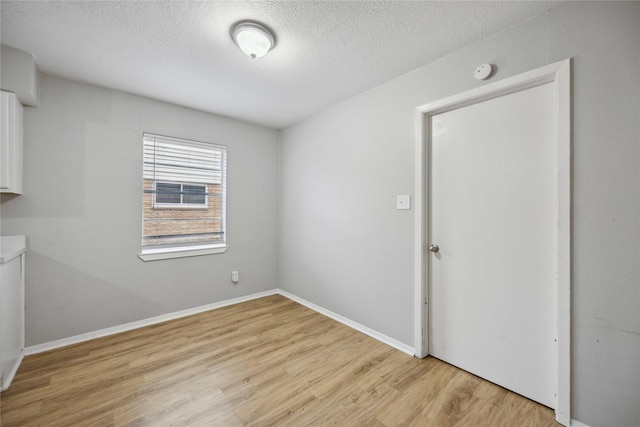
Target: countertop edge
<point>12,247</point>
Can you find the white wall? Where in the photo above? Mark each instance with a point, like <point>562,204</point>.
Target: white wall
<point>344,246</point>
<point>82,211</point>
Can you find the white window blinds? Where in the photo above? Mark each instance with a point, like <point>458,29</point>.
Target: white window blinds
<point>184,195</point>
<point>179,160</point>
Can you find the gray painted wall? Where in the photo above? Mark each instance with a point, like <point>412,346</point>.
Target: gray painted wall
<point>19,74</point>
<point>82,206</point>
<point>344,246</point>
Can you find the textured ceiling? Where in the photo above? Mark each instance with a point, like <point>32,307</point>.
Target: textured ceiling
<point>181,51</point>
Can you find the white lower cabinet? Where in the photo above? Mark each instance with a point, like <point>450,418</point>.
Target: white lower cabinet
<point>11,317</point>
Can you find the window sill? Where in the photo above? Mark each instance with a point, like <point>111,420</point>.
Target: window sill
<point>187,251</point>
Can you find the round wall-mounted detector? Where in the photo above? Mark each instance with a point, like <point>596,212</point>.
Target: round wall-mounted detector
<point>483,72</point>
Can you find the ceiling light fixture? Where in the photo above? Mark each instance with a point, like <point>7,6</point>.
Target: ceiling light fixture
<point>254,39</point>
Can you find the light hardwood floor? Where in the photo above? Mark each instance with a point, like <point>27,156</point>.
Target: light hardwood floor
<point>268,362</point>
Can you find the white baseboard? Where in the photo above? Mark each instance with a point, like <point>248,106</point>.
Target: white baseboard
<point>40,348</point>
<point>355,325</point>
<point>6,381</point>
<point>575,423</point>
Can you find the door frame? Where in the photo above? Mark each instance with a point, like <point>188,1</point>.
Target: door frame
<point>559,74</point>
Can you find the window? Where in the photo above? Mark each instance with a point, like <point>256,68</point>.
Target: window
<point>184,198</point>
<point>176,195</point>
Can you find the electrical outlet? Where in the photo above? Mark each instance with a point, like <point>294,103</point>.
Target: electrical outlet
<point>403,202</point>
<point>235,276</point>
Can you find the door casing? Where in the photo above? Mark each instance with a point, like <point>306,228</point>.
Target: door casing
<point>559,74</point>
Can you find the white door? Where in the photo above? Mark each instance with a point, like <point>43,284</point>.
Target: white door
<point>493,215</point>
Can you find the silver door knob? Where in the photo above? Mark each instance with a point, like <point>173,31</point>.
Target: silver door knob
<point>434,248</point>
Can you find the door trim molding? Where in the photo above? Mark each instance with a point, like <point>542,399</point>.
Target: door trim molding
<point>558,73</point>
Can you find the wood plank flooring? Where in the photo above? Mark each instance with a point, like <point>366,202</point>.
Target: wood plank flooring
<point>267,362</point>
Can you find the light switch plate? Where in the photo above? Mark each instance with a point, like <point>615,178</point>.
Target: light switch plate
<point>403,202</point>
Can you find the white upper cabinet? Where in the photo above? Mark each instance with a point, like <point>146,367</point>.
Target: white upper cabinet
<point>11,144</point>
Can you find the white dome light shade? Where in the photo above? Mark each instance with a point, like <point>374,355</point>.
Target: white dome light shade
<point>254,39</point>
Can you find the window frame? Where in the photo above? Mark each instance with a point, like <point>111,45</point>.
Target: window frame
<point>150,253</point>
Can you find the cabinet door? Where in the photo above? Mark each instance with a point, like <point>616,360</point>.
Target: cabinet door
<point>10,143</point>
